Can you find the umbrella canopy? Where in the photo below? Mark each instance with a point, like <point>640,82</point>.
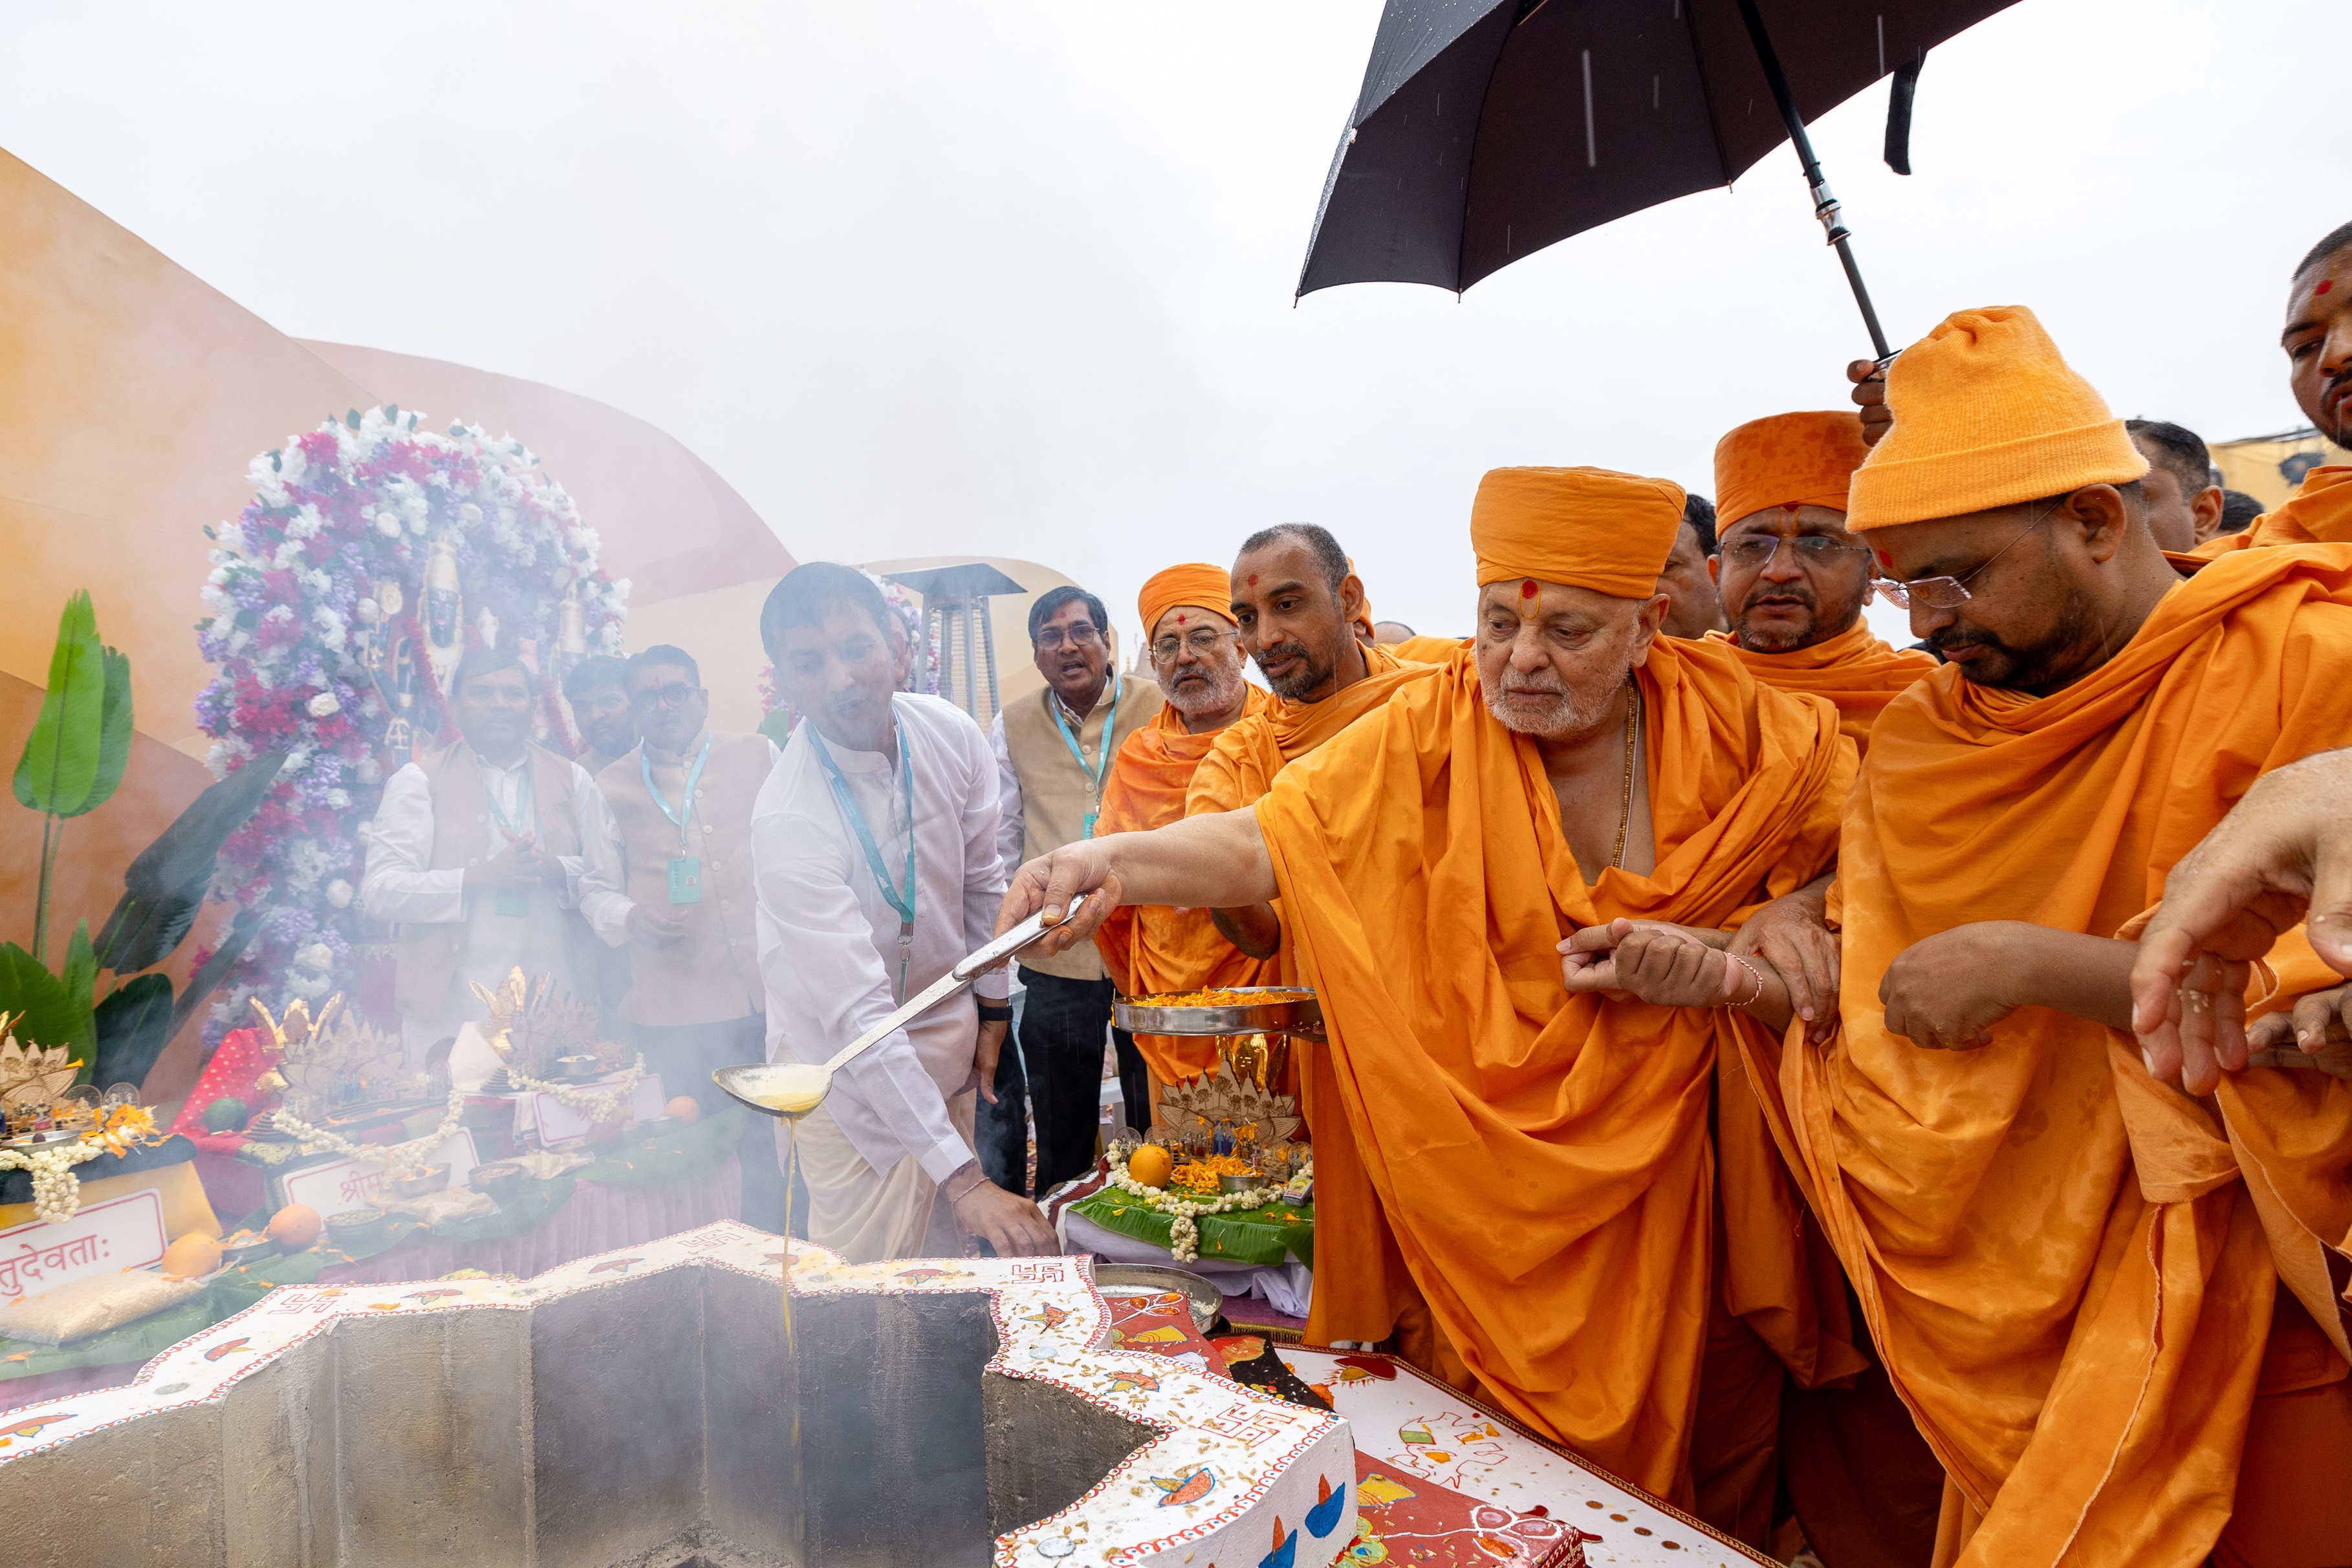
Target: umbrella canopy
<point>1489,128</point>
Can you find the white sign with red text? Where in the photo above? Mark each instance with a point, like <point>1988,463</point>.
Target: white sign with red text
<point>102,1238</point>
<point>342,1185</point>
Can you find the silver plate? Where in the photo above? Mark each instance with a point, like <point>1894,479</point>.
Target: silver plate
<point>1285,1009</point>
<point>1127,1278</point>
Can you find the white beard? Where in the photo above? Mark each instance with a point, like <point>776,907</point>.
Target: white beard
<point>1220,693</point>
<point>1568,714</point>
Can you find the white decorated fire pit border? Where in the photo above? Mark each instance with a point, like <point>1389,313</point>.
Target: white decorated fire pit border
<point>1281,1475</point>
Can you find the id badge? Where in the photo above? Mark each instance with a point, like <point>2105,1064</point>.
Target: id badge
<point>512,902</point>
<point>1087,829</point>
<point>684,879</point>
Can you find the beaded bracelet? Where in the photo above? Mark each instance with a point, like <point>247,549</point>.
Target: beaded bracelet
<point>1753,973</point>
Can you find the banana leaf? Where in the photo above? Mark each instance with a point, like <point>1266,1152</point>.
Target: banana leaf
<point>52,1014</point>
<point>206,980</point>
<point>81,741</point>
<point>165,885</point>
<point>134,1023</point>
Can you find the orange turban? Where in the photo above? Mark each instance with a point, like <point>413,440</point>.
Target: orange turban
<point>1193,583</point>
<point>1788,459</point>
<point>1987,415</point>
<point>1589,528</point>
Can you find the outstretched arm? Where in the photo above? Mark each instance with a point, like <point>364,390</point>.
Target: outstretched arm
<point>2286,845</point>
<point>1674,966</point>
<point>1217,860</point>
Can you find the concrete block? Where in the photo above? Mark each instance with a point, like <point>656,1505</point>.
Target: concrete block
<point>145,1494</point>
<point>279,1504</point>
<point>1046,1447</point>
<point>430,1439</point>
<point>616,1418</point>
<point>747,1409</point>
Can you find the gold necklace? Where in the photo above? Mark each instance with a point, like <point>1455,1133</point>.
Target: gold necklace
<point>1625,812</point>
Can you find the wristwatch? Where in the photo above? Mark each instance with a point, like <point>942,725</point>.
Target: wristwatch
<point>995,1012</point>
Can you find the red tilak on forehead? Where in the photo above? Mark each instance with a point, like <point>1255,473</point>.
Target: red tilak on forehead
<point>1886,560</point>
<point>1527,589</point>
<point>2324,285</point>
<point>1182,619</point>
<point>1253,579</point>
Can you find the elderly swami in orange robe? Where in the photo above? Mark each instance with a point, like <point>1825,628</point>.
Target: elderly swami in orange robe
<point>2071,1268</point>
<point>1196,656</point>
<point>1541,1156</point>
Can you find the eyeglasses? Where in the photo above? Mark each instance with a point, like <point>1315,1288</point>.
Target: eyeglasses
<point>1754,551</point>
<point>1203,641</point>
<point>1951,593</point>
<point>1082,635</point>
<point>676,695</point>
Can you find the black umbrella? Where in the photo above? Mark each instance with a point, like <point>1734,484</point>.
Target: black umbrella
<point>1488,129</point>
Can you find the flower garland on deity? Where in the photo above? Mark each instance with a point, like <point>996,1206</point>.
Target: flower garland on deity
<point>400,1160</point>
<point>1184,1212</point>
<point>601,1106</point>
<point>374,552</point>
<point>57,1191</point>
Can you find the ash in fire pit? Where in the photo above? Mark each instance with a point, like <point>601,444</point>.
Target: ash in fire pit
<point>638,1409</point>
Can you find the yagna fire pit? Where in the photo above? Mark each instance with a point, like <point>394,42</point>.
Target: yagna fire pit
<point>639,1409</point>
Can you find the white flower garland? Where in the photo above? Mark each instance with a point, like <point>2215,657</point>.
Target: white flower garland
<point>1184,1231</point>
<point>57,1191</point>
<point>400,1158</point>
<point>596,1107</point>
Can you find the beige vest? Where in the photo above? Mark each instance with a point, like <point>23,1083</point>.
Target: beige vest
<point>1057,794</point>
<point>712,974</point>
<point>428,954</point>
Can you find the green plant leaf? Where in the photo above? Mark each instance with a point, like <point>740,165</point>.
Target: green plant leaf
<point>79,975</point>
<point>134,1025</point>
<point>113,732</point>
<point>60,760</point>
<point>53,1014</point>
<point>164,888</point>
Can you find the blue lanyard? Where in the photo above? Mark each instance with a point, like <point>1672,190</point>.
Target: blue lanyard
<point>1102,764</point>
<point>693,777</point>
<point>903,902</point>
<point>526,804</point>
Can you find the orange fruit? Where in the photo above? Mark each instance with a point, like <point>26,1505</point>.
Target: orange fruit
<point>1150,1165</point>
<point>193,1255</point>
<point>295,1226</point>
<point>684,1107</point>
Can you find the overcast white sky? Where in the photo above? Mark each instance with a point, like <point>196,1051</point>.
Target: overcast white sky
<point>1016,277</point>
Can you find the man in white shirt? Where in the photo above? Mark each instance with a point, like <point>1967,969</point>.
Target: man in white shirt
<point>874,862</point>
<point>476,853</point>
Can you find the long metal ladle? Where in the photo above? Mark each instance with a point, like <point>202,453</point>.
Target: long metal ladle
<point>792,1089</point>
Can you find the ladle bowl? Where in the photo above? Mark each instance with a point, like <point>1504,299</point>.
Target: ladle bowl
<point>791,1089</point>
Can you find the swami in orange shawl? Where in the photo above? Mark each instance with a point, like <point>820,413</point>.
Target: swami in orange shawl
<point>1790,460</point>
<point>1152,949</point>
<point>1360,1285</point>
<point>2070,1270</point>
<point>1541,1162</point>
<point>2319,513</point>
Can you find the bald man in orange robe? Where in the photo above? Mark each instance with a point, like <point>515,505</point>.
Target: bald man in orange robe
<point>2072,1269</point>
<point>1295,596</point>
<point>1793,581</point>
<point>1196,657</point>
<point>1539,1152</point>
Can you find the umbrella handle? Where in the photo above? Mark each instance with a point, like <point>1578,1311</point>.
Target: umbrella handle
<point>1825,206</point>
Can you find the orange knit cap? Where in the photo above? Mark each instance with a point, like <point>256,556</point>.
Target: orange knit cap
<point>1788,459</point>
<point>1588,527</point>
<point>1193,583</point>
<point>1987,415</point>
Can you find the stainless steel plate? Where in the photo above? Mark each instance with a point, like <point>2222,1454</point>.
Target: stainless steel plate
<point>1284,1009</point>
<point>1137,1279</point>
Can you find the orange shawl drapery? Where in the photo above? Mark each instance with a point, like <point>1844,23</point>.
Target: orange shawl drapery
<point>1854,669</point>
<point>1542,1160</point>
<point>2054,1253</point>
<point>1360,1284</point>
<point>1153,948</point>
<point>2319,513</point>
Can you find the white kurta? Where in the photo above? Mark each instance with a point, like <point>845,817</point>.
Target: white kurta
<point>829,939</point>
<point>400,884</point>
